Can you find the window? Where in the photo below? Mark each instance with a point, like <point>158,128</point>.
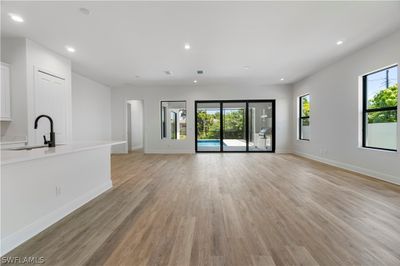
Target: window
<point>173,120</point>
<point>304,117</point>
<point>380,98</point>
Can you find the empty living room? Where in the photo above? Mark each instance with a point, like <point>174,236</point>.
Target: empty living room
<point>236,133</point>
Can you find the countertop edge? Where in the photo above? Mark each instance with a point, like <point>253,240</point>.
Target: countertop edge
<point>86,146</point>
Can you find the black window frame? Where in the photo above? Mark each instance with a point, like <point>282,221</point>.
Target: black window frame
<point>301,117</point>
<point>366,110</point>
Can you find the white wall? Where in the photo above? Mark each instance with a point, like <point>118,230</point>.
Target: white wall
<point>26,56</point>
<point>91,110</point>
<point>13,52</point>
<point>136,123</point>
<point>153,95</point>
<point>39,57</point>
<point>336,113</point>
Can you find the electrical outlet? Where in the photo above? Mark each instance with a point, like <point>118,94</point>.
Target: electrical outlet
<point>58,191</point>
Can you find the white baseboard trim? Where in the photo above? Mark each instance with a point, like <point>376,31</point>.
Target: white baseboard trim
<point>283,151</point>
<point>118,150</point>
<point>12,241</point>
<point>360,170</point>
<point>133,148</point>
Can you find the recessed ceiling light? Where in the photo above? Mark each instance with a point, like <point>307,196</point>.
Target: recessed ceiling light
<point>282,79</point>
<point>15,17</point>
<point>187,46</point>
<point>84,11</point>
<point>70,49</point>
<point>339,42</point>
<point>194,81</point>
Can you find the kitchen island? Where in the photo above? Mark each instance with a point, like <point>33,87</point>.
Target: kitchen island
<point>41,186</point>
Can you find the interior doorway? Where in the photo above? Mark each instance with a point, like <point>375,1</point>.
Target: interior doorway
<point>135,126</point>
<point>235,126</point>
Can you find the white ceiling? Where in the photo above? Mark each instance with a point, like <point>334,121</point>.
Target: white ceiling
<point>119,41</point>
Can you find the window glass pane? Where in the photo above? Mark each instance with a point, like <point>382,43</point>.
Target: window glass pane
<point>234,126</point>
<point>304,124</point>
<point>173,120</point>
<point>305,128</point>
<point>382,88</point>
<point>208,127</point>
<point>393,76</point>
<point>182,124</point>
<point>260,126</point>
<point>381,129</point>
<point>305,105</point>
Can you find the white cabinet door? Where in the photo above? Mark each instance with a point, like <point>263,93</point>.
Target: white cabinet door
<point>5,114</point>
<point>50,99</point>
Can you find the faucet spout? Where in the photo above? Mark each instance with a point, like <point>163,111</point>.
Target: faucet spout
<point>52,141</point>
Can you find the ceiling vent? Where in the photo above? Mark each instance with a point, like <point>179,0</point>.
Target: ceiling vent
<point>167,72</point>
<point>200,72</point>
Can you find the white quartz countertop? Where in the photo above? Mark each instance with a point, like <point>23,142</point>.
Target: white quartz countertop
<point>11,156</point>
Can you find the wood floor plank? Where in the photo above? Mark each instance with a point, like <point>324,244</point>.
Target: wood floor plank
<point>228,209</point>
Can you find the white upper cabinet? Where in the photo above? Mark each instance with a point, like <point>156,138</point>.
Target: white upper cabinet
<point>5,114</point>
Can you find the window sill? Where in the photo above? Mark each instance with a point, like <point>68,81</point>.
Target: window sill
<point>378,149</point>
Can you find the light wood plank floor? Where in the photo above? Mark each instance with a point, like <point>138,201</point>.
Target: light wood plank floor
<point>228,209</point>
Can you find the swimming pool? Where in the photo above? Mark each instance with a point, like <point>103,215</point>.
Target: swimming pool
<point>208,143</point>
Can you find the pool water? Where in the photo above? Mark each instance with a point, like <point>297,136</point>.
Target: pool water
<point>208,143</point>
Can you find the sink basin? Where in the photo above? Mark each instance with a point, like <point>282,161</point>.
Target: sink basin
<point>28,148</point>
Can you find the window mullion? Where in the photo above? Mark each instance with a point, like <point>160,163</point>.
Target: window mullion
<point>392,108</point>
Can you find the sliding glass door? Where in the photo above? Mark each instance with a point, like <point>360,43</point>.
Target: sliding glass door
<point>235,126</point>
<point>208,126</point>
<point>260,126</point>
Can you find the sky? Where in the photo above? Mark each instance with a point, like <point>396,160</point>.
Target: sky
<point>377,81</point>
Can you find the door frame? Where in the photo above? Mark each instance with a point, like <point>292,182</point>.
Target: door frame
<point>272,101</point>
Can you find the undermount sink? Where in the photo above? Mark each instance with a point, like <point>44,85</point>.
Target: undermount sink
<point>28,148</point>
